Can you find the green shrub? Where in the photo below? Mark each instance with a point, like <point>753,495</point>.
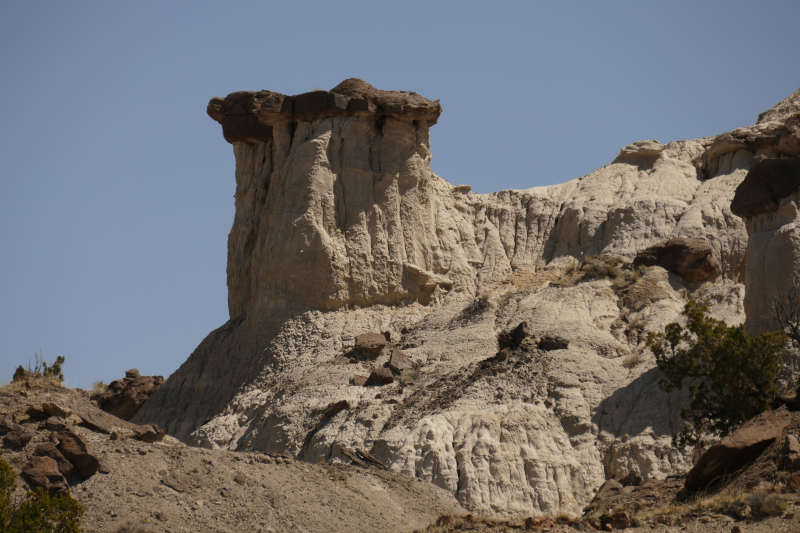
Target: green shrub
<point>38,512</point>
<point>731,376</point>
<point>52,371</point>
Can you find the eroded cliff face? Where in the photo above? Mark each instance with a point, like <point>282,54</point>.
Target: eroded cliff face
<point>341,229</point>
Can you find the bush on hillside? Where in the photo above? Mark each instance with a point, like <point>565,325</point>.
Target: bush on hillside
<point>731,376</point>
<point>37,512</point>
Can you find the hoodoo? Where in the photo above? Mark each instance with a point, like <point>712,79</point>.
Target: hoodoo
<point>342,229</point>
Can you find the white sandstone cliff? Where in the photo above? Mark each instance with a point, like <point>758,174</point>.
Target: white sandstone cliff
<point>342,229</point>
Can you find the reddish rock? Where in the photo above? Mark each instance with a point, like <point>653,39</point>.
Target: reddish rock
<point>124,397</point>
<point>737,449</point>
<point>398,361</point>
<point>149,433</point>
<point>78,452</point>
<point>43,472</point>
<point>371,343</point>
<point>380,376</point>
<point>689,258</point>
<point>48,449</point>
<point>618,520</point>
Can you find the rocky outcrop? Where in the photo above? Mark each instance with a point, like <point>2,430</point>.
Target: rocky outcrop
<point>689,258</point>
<point>43,472</point>
<point>124,397</point>
<point>341,230</point>
<point>768,200</point>
<point>730,454</point>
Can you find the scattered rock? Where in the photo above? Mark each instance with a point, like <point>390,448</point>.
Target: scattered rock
<point>53,409</point>
<point>149,433</point>
<point>48,449</point>
<point>7,425</point>
<point>55,423</point>
<point>362,458</point>
<point>240,478</point>
<point>225,493</point>
<point>737,449</point>
<point>553,342</point>
<point>175,481</point>
<point>95,422</point>
<point>689,258</point>
<point>124,397</point>
<point>398,361</point>
<point>631,480</point>
<point>607,490</point>
<point>77,450</point>
<point>36,414</point>
<point>359,381</point>
<point>17,440</point>
<point>790,454</point>
<point>618,520</point>
<point>43,472</point>
<point>21,375</point>
<point>380,376</point>
<point>103,466</point>
<point>514,337</point>
<point>542,521</point>
<point>335,408</point>
<point>371,343</point>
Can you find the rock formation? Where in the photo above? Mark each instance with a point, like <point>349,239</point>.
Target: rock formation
<point>124,397</point>
<point>341,229</point>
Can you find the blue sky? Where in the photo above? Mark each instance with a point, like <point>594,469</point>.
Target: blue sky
<point>116,188</point>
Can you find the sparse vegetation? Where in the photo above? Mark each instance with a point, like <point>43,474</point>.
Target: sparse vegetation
<point>51,371</point>
<point>37,512</point>
<point>631,360</point>
<point>765,504</point>
<point>131,527</point>
<point>731,376</point>
<point>99,387</point>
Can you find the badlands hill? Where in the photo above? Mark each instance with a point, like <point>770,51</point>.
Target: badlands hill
<point>341,229</point>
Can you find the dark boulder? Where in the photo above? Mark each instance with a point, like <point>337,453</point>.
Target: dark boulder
<point>78,452</point>
<point>48,449</point>
<point>737,449</point>
<point>43,472</point>
<point>124,397</point>
<point>371,343</point>
<point>149,433</point>
<point>689,258</point>
<point>398,361</point>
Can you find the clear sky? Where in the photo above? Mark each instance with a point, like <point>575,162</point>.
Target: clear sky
<point>116,189</point>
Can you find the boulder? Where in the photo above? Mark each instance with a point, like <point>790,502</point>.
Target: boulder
<point>124,397</point>
<point>631,480</point>
<point>514,337</point>
<point>7,425</point>
<point>618,520</point>
<point>95,422</point>
<point>78,452</point>
<point>553,342</point>
<point>36,414</point>
<point>176,481</point>
<point>43,472</point>
<point>689,258</point>
<point>17,439</point>
<point>380,376</point>
<point>55,423</point>
<point>359,381</point>
<point>48,449</point>
<point>607,490</point>
<point>371,343</point>
<point>149,433</point>
<point>737,449</point>
<point>398,361</point>
<point>53,409</point>
<point>790,453</point>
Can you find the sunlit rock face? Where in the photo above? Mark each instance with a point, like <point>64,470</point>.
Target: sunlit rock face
<point>342,229</point>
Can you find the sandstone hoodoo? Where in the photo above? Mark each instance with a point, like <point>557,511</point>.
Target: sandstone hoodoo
<point>459,328</point>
